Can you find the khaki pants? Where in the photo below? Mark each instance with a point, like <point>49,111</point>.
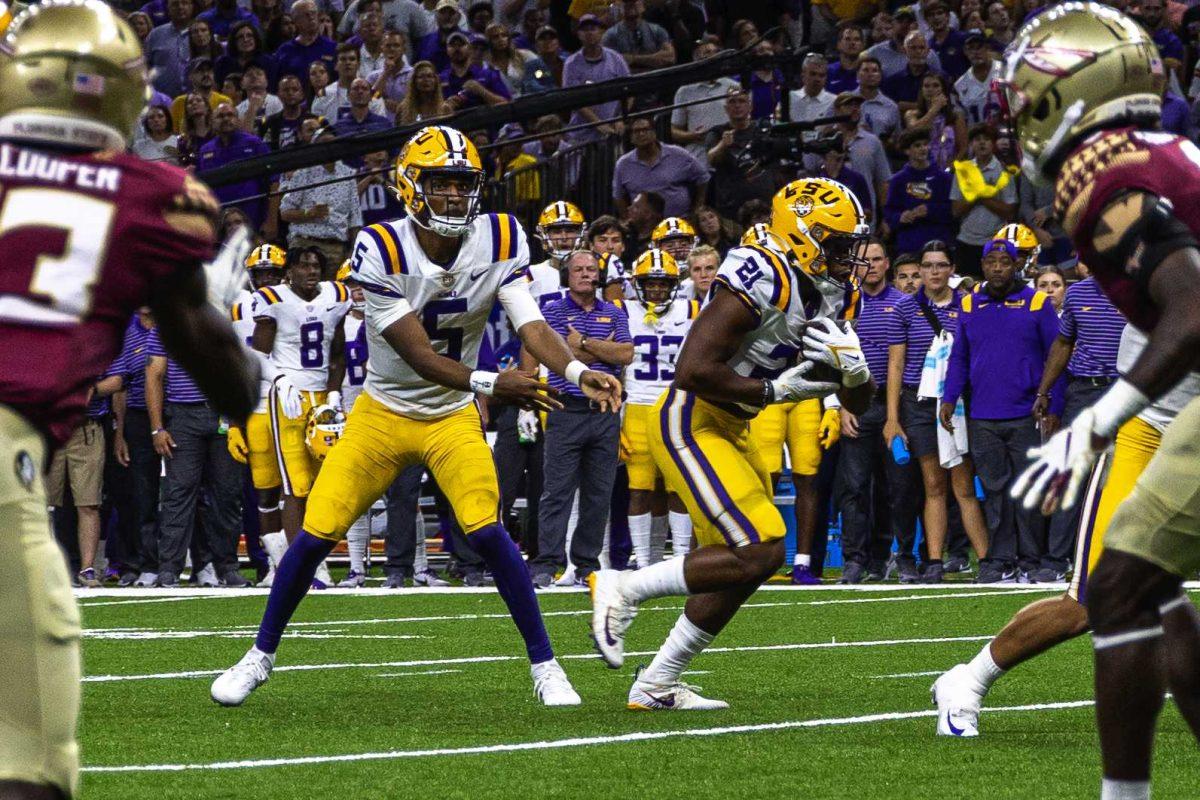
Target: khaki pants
<point>39,624</point>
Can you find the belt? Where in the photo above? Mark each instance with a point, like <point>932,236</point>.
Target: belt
<point>577,405</point>
<point>1092,380</point>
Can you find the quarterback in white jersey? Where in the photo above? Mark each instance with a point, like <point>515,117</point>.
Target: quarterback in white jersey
<point>431,280</point>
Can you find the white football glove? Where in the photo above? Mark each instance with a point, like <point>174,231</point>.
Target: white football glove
<point>334,399</point>
<point>290,401</point>
<point>225,274</point>
<point>826,342</point>
<point>793,384</point>
<point>1060,467</point>
<point>527,425</point>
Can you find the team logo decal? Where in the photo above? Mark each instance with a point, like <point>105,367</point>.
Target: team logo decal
<point>447,280</point>
<point>23,467</point>
<point>1057,61</point>
<point>803,206</point>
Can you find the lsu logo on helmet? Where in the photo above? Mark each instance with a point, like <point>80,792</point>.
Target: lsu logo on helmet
<point>434,159</point>
<point>324,428</point>
<point>821,225</point>
<point>560,228</point>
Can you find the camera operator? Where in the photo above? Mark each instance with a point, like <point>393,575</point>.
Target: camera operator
<point>737,175</point>
<point>864,151</point>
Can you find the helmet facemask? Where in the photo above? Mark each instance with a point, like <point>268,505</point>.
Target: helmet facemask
<point>656,291</point>
<point>842,254</point>
<point>561,238</point>
<point>431,183</point>
<point>679,246</point>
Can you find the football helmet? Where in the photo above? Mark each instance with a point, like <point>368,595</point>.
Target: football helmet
<point>265,265</point>
<point>324,428</point>
<point>73,74</point>
<point>676,236</point>
<point>657,265</point>
<point>760,233</point>
<point>433,151</point>
<point>1025,241</point>
<point>1071,70</point>
<point>558,218</point>
<point>345,274</point>
<point>821,225</point>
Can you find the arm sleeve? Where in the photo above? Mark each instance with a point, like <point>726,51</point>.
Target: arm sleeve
<point>1066,324</point>
<point>154,346</point>
<point>519,304</point>
<point>260,307</point>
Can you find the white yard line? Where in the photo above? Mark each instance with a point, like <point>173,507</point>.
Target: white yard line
<point>145,634</point>
<point>908,674</point>
<point>407,674</point>
<point>576,656</point>
<point>558,744</point>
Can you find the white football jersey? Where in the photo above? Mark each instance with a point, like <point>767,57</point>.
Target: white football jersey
<point>304,330</point>
<point>453,303</point>
<point>545,283</point>
<point>243,325</point>
<point>356,360</point>
<point>655,348</point>
<point>613,271</point>
<point>782,299</point>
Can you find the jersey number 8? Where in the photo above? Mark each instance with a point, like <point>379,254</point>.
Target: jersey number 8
<point>312,340</point>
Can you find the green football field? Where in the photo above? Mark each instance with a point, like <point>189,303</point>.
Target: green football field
<point>417,694</point>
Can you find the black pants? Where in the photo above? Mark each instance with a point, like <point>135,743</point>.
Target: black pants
<point>139,525</point>
<point>403,499</point>
<point>998,448</point>
<point>518,466</point>
<point>1060,541</point>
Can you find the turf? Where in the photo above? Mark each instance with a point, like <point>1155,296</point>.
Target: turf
<point>439,706</point>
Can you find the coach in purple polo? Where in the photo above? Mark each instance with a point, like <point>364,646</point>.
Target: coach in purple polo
<point>581,441</point>
<point>652,166</point>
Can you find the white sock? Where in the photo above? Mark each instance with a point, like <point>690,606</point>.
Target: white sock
<point>802,560</point>
<point>1124,790</point>
<point>657,580</point>
<point>258,654</point>
<point>683,643</point>
<point>681,532</point>
<point>276,545</point>
<point>420,555</point>
<point>983,668</point>
<point>639,532</point>
<point>356,543</point>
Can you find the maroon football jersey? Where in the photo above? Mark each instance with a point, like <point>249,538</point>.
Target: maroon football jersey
<point>83,238</point>
<point>1103,167</point>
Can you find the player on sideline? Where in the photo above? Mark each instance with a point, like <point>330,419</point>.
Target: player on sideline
<point>89,234</point>
<point>1080,80</point>
<point>431,279</point>
<point>560,229</point>
<point>766,307</point>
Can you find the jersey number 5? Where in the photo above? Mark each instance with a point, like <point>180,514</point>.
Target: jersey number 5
<point>452,336</point>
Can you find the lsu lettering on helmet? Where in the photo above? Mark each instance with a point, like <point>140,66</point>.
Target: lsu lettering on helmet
<point>1024,240</point>
<point>437,154</point>
<point>325,426</point>
<point>1073,69</point>
<point>560,228</point>
<point>676,236</point>
<point>656,265</point>
<point>821,225</point>
<point>73,74</point>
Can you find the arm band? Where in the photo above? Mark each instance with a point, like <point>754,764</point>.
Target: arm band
<point>574,370</point>
<point>484,382</point>
<point>1121,403</point>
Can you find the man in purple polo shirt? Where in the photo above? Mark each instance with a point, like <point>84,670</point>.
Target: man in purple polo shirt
<point>222,16</point>
<point>134,448</point>
<point>190,436</point>
<point>581,440</point>
<point>666,169</point>
<point>466,85</point>
<point>294,57</point>
<point>234,144</point>
<point>594,63</point>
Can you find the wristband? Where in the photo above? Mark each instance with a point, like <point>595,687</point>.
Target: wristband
<point>574,371</point>
<point>484,382</point>
<point>157,431</point>
<point>768,393</point>
<point>1121,403</point>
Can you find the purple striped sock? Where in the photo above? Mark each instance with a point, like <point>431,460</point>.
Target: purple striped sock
<point>512,581</point>
<point>293,577</point>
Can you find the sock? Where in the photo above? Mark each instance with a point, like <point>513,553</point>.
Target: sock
<point>322,574</point>
<point>681,532</point>
<point>983,668</point>
<point>1124,790</point>
<point>683,643</point>
<point>420,556</point>
<point>356,543</point>
<point>657,580</point>
<point>802,560</point>
<point>293,577</point>
<point>276,545</point>
<point>639,533</point>
<point>605,557</point>
<point>512,582</point>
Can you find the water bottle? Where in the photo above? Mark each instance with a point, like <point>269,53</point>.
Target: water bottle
<point>900,451</point>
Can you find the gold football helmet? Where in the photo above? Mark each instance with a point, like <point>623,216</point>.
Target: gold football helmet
<point>656,265</point>
<point>676,236</point>
<point>345,274</point>
<point>265,265</point>
<point>822,226</point>
<point>1073,69</point>
<point>324,428</point>
<point>561,227</point>
<point>439,152</point>
<point>1026,242</point>
<point>73,74</point>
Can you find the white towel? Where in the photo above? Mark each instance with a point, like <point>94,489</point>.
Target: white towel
<point>951,446</point>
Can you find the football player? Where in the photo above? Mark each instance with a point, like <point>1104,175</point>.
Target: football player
<point>560,229</point>
<point>89,233</point>
<point>676,236</point>
<point>255,445</point>
<point>1027,245</point>
<point>1080,81</point>
<point>298,325</point>
<point>658,323</point>
<point>431,280</point>
<point>768,308</point>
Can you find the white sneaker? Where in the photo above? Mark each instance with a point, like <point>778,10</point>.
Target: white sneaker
<point>958,699</point>
<point>353,580</point>
<point>234,685</point>
<point>676,696</point>
<point>567,578</point>
<point>611,615</point>
<point>268,579</point>
<point>428,577</point>
<point>551,685</point>
<point>146,580</point>
<point>207,577</point>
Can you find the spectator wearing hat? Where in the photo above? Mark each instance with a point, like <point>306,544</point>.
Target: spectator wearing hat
<point>980,217</point>
<point>691,123</point>
<point>433,46</point>
<point>843,73</point>
<point>735,178</point>
<point>223,15</point>
<point>594,63</point>
<point>974,88</point>
<point>466,85</point>
<point>335,102</point>
<point>168,49</point>
<point>917,209</point>
<point>880,114</point>
<point>812,100</point>
<point>325,217</point>
<point>231,143</point>
<point>652,166</point>
<point>202,80</point>
<point>644,45</point>
<point>946,42</point>
<point>297,55</point>
<point>905,86</point>
<point>891,54</point>
<point>549,49</point>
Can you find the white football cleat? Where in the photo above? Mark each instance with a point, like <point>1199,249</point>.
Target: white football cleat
<point>353,580</point>
<point>427,577</point>
<point>958,699</point>
<point>612,615</point>
<point>676,696</point>
<point>322,580</point>
<point>551,685</point>
<point>234,685</point>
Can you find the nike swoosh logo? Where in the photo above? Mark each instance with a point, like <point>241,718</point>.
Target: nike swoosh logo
<point>476,275</point>
<point>608,636</point>
<point>950,725</point>
<point>669,701</point>
<point>331,308</point>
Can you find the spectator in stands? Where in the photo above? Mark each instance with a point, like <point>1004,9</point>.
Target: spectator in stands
<point>690,124</point>
<point>904,87</point>
<point>843,73</point>
<point>753,212</point>
<point>202,80</point>
<point>742,33</point>
<point>594,63</point>
<point>523,71</point>
<point>936,112</point>
<point>259,103</point>
<point>702,265</point>
<point>433,46</point>
<point>645,212</point>
<point>880,114</point>
<point>524,189</point>
<point>231,143</point>
<point>766,86</point>
<point>141,24</point>
<point>280,130</point>
<point>376,201</point>
<point>533,19</point>
<point>917,209</point>
<point>197,129</point>
<point>322,217</point>
<point>1005,332</point>
<point>1152,15</point>
<point>644,45</point>
<point>424,97</point>
<point>893,54</point>
<point>550,138</point>
<point>403,16</point>
<point>908,273</point>
<point>155,141</point>
<point>480,15</point>
<point>812,100</point>
<point>168,49</point>
<point>200,41</point>
<point>233,88</point>
<point>833,166</point>
<point>549,49</point>
<point>361,118</point>
<point>913,417</point>
<point>190,437</point>
<point>666,169</point>
<point>1037,211</point>
<point>390,83</point>
<point>864,150</point>
<point>974,88</point>
<point>715,230</point>
<point>335,103</point>
<point>466,85</point>
<point>921,8</point>
<point>736,176</point>
<point>945,41</point>
<point>295,56</point>
<point>246,49</point>
<point>319,78</point>
<point>999,23</point>
<point>272,21</point>
<point>882,25</point>
<point>581,441</point>
<point>223,15</point>
<point>981,217</point>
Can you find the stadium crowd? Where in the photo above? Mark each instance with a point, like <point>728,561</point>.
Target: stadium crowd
<point>964,246</point>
